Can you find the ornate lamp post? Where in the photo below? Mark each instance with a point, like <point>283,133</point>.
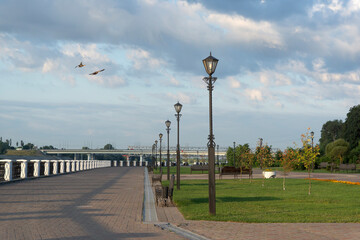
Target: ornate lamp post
<point>234,154</point>
<point>210,64</point>
<point>178,107</point>
<point>168,123</point>
<point>218,156</point>
<point>261,141</point>
<point>312,146</point>
<point>152,153</point>
<point>156,153</point>
<point>160,137</point>
<point>312,139</point>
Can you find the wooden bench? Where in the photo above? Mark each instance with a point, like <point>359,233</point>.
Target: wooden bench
<point>323,165</point>
<point>347,167</point>
<point>228,170</point>
<point>201,168</point>
<point>164,195</point>
<point>156,178</point>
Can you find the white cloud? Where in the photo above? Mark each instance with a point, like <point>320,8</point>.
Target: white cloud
<point>142,60</point>
<point>107,81</point>
<point>240,29</point>
<point>183,98</point>
<point>254,94</point>
<point>233,83</point>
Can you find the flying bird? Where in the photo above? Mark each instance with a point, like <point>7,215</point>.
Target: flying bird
<point>80,65</point>
<point>94,73</point>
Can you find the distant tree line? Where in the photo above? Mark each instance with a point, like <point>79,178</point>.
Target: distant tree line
<point>340,141</point>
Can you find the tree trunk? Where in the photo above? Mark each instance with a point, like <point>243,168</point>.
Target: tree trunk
<point>309,183</point>
<point>284,182</point>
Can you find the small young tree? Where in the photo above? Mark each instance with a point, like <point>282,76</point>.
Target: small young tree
<point>248,161</point>
<point>264,157</point>
<point>288,161</point>
<point>307,155</point>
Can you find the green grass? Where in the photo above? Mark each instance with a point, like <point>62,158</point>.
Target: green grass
<point>183,170</point>
<point>242,201</point>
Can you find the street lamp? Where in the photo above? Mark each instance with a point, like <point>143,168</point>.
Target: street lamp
<point>261,141</point>
<point>234,154</point>
<point>168,123</point>
<point>152,153</point>
<point>210,64</point>
<point>160,136</point>
<point>178,107</point>
<point>312,139</point>
<point>218,156</point>
<point>156,153</point>
<point>312,146</point>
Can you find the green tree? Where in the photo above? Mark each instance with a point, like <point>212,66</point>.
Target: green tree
<point>230,156</point>
<point>330,131</point>
<point>352,126</point>
<point>354,155</point>
<point>109,147</point>
<point>336,151</point>
<point>288,162</point>
<point>307,154</point>
<point>248,161</point>
<point>240,150</point>
<point>28,146</point>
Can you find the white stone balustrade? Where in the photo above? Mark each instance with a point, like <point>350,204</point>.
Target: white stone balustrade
<point>61,166</point>
<point>52,167</point>
<point>46,167</point>
<point>55,164</point>
<point>24,165</point>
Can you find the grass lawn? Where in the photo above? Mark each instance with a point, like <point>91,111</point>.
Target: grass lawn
<point>183,170</point>
<point>242,201</point>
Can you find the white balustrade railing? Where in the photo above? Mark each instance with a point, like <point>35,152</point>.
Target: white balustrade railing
<point>22,169</point>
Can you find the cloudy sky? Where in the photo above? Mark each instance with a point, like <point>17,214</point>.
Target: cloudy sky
<point>283,66</point>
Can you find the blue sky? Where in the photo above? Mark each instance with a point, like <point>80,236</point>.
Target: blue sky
<point>284,66</point>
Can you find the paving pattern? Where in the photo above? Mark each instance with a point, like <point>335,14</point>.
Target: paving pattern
<point>107,204</point>
<point>97,204</point>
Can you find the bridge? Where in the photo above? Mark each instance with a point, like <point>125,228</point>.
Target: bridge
<point>141,152</point>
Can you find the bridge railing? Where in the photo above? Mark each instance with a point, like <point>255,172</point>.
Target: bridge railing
<point>11,170</point>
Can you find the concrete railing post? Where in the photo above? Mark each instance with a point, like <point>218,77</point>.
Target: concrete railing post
<point>8,169</point>
<point>73,167</point>
<point>46,167</point>
<point>61,167</point>
<point>36,167</point>
<point>55,164</point>
<point>24,168</point>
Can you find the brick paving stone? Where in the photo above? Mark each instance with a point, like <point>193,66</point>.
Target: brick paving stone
<point>97,204</point>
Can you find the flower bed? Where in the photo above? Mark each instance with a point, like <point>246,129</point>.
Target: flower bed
<point>335,181</point>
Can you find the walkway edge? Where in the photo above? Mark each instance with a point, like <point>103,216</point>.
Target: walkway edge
<point>180,231</point>
<point>149,210</point>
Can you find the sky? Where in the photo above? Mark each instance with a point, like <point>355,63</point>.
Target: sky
<point>284,67</point>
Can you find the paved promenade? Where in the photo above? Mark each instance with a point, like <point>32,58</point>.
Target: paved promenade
<point>97,204</point>
<point>107,204</point>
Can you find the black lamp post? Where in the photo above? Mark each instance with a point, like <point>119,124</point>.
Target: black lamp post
<point>261,141</point>
<point>152,154</point>
<point>218,156</point>
<point>156,153</point>
<point>234,154</point>
<point>210,64</point>
<point>160,137</point>
<point>312,139</point>
<point>312,146</point>
<point>168,123</point>
<point>178,107</point>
